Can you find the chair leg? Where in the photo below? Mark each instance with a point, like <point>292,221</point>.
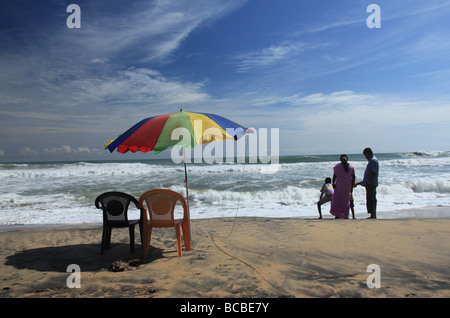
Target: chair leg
<point>141,232</point>
<point>146,239</point>
<point>103,239</point>
<point>108,237</point>
<point>178,235</point>
<point>186,235</point>
<point>131,229</point>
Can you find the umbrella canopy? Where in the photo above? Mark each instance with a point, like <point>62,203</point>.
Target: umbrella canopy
<point>155,133</point>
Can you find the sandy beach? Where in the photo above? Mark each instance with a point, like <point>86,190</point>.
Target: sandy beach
<point>234,258</point>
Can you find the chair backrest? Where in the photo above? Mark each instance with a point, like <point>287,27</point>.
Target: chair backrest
<point>115,206</point>
<point>160,204</point>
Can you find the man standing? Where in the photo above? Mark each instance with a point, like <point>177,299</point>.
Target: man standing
<point>370,182</point>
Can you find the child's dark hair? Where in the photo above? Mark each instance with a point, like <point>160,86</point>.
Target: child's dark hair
<point>327,180</point>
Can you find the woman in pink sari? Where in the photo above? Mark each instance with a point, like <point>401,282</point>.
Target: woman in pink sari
<point>343,181</point>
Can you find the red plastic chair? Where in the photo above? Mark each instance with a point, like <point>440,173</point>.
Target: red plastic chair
<point>160,205</point>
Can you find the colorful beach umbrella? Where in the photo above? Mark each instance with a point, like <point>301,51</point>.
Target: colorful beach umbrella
<point>155,133</point>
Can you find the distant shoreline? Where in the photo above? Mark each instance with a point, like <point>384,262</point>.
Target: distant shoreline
<point>165,156</point>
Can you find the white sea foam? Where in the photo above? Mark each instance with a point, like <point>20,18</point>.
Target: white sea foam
<point>53,193</point>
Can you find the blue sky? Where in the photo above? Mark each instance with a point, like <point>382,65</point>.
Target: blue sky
<point>311,68</point>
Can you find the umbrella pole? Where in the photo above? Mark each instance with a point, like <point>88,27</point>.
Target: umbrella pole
<point>187,193</point>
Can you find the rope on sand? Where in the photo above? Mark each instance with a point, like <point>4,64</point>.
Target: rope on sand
<point>244,262</point>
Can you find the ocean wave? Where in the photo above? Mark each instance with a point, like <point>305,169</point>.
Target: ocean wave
<point>419,162</point>
<point>136,169</point>
<point>28,208</point>
<point>293,195</point>
<point>422,153</point>
<point>80,170</point>
<point>290,195</point>
<point>12,165</point>
<point>428,185</point>
<point>130,169</point>
<point>63,192</point>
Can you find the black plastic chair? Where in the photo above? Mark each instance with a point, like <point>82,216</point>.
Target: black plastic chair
<point>115,214</point>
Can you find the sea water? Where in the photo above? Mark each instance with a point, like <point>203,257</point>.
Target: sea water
<point>64,192</point>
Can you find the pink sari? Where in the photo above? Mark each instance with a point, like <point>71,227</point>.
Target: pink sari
<point>340,202</point>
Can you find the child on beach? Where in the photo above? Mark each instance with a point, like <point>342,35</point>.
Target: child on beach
<point>352,205</point>
<point>325,195</point>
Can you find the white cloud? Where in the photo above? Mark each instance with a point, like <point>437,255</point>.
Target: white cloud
<point>65,67</point>
<point>28,151</point>
<point>142,85</point>
<point>91,104</point>
<point>157,28</point>
<point>100,60</point>
<point>66,149</point>
<point>318,99</point>
<point>274,54</point>
<point>346,121</point>
<point>360,109</point>
<point>60,83</point>
<point>433,46</point>
<point>33,114</point>
<point>267,56</point>
<point>91,70</point>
